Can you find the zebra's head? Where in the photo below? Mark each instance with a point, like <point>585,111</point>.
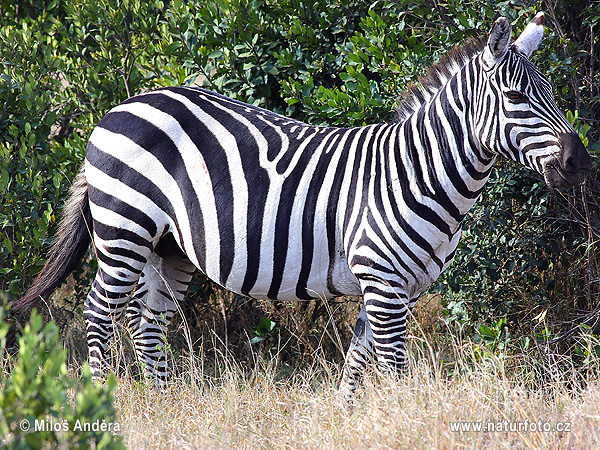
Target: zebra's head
<point>528,126</point>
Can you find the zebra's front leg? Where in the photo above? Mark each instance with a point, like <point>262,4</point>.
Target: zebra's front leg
<point>380,332</point>
<point>162,284</point>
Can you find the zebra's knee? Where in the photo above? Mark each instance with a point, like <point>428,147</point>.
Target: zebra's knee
<point>389,339</point>
<point>396,362</point>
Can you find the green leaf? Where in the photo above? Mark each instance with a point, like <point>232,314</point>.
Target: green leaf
<point>216,54</point>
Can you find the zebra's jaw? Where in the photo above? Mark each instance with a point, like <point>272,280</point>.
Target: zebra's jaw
<point>558,177</point>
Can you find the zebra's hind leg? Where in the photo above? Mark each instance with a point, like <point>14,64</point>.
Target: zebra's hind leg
<point>118,272</point>
<point>163,283</point>
<point>359,355</point>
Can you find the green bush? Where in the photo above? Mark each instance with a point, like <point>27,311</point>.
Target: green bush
<point>343,62</point>
<point>64,65</point>
<point>247,49</point>
<point>42,406</point>
<point>31,167</point>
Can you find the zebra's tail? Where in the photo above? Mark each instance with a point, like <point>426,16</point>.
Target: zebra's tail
<point>70,245</point>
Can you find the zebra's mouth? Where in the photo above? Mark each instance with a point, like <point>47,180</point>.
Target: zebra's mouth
<point>570,165</point>
<point>557,177</point>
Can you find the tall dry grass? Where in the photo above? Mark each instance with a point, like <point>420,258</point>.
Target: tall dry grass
<point>221,401</point>
<point>232,406</point>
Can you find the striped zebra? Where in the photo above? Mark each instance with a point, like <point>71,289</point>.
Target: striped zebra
<point>181,179</point>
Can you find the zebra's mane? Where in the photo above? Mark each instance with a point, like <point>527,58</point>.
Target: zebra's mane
<point>436,77</point>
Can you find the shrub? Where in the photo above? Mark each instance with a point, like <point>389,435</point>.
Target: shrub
<point>42,406</point>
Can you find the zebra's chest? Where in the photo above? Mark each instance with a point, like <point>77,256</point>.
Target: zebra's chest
<point>443,254</point>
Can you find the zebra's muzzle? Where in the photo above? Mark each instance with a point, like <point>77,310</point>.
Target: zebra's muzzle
<point>557,177</point>
<point>571,165</point>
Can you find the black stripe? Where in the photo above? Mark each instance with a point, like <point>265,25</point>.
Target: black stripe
<point>108,233</point>
<point>308,214</point>
<point>289,191</point>
<point>132,213</point>
<point>332,211</point>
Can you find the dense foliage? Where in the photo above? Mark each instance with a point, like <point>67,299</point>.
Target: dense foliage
<point>342,62</point>
<point>36,409</point>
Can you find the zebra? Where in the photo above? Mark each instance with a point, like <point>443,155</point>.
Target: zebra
<point>182,179</point>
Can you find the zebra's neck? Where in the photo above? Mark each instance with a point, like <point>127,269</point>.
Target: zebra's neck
<point>440,153</point>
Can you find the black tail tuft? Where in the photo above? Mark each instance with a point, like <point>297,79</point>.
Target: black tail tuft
<point>71,243</point>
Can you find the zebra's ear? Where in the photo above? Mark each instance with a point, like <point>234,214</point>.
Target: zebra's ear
<point>497,44</point>
<point>531,36</point>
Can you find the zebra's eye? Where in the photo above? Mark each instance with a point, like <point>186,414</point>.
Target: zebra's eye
<point>516,96</point>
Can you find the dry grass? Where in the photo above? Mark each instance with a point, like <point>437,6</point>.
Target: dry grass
<point>218,402</point>
<point>260,408</point>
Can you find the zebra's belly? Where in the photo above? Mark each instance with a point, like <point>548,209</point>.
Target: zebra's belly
<point>298,276</point>
<point>265,239</point>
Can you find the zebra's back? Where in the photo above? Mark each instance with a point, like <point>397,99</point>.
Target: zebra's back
<point>251,197</point>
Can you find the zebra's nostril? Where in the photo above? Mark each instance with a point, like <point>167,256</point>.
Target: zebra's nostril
<point>575,157</point>
<point>570,164</point>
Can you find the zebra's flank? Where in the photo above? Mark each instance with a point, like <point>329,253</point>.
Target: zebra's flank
<point>69,247</point>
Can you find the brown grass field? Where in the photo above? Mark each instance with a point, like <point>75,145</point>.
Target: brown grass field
<point>520,401</point>
<point>455,394</point>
